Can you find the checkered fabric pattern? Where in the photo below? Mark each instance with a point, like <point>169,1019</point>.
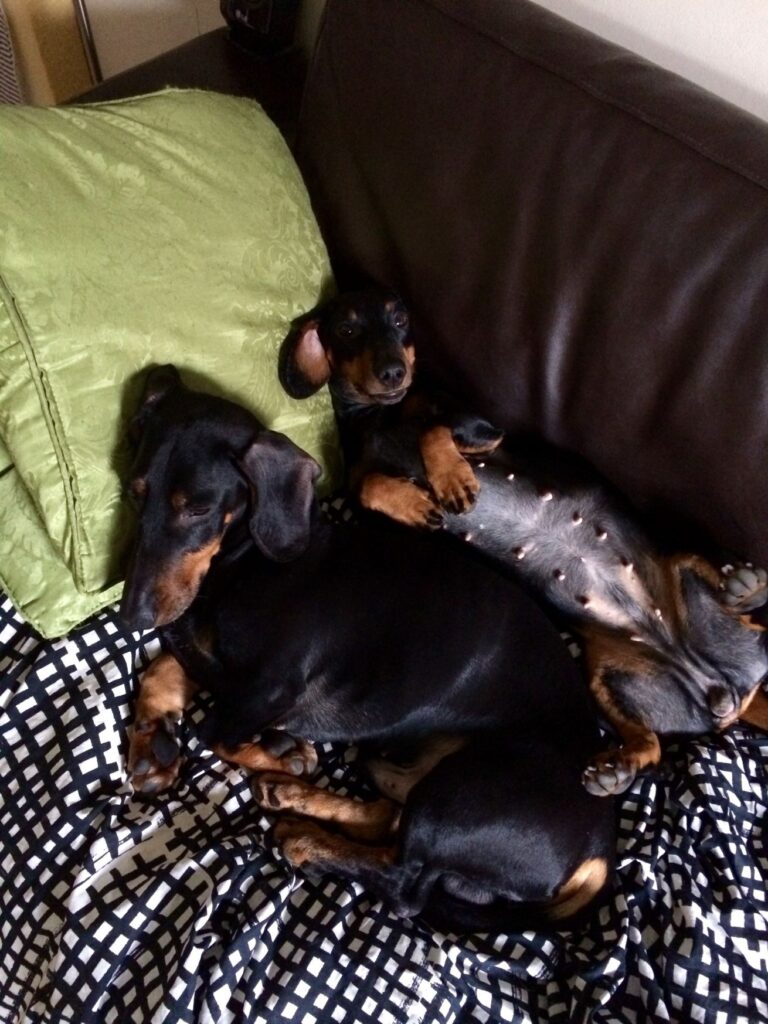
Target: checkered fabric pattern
<point>177,908</point>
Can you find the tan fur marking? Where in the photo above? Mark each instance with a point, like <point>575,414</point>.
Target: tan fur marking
<point>449,474</point>
<point>369,821</point>
<point>640,745</point>
<point>164,692</point>
<point>754,709</point>
<point>398,498</point>
<point>305,842</point>
<point>747,622</point>
<point>359,377</point>
<point>583,885</point>
<point>396,781</point>
<point>175,589</point>
<point>479,449</point>
<point>254,757</point>
<point>165,689</point>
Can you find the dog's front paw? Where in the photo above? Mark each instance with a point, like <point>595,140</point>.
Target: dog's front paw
<point>744,588</point>
<point>292,755</point>
<point>275,751</point>
<point>304,844</point>
<point>455,486</point>
<point>400,499</point>
<point>609,773</point>
<point>154,757</point>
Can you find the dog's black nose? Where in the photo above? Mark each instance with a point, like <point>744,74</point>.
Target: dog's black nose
<point>137,609</point>
<point>392,375</point>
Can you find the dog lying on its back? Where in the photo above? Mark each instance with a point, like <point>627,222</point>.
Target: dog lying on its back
<point>302,629</point>
<point>668,649</point>
<point>359,344</point>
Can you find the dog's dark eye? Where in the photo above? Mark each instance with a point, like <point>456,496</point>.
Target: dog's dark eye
<point>196,511</point>
<point>400,320</point>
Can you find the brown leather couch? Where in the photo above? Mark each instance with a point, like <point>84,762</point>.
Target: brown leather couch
<point>581,234</point>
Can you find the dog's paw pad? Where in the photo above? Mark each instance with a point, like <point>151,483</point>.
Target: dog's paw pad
<point>301,760</point>
<point>744,588</point>
<point>274,791</point>
<point>154,756</point>
<point>609,774</point>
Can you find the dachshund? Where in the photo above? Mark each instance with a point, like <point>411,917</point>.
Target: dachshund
<point>464,694</point>
<point>359,344</point>
<point>668,646</point>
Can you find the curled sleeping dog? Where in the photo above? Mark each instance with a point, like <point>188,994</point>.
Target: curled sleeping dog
<point>339,633</point>
<point>668,648</point>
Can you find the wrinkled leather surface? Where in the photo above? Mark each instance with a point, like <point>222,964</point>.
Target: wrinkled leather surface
<point>583,237</point>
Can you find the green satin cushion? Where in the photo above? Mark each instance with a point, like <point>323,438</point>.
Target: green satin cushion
<point>168,228</point>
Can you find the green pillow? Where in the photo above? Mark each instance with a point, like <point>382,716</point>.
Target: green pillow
<point>168,228</point>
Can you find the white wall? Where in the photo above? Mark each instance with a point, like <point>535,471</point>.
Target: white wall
<point>720,44</point>
<point>128,32</point>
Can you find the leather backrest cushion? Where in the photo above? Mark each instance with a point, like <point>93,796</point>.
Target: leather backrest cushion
<point>583,237</point>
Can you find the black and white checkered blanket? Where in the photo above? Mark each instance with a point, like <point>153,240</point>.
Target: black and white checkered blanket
<point>178,908</point>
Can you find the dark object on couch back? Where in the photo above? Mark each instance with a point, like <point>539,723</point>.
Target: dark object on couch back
<point>582,236</point>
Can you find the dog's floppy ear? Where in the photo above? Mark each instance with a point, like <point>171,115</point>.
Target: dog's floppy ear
<point>282,478</point>
<point>303,365</point>
<point>160,381</point>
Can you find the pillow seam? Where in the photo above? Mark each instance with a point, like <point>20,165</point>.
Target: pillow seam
<point>48,403</point>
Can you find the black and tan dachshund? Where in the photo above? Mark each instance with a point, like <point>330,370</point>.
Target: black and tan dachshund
<point>359,344</point>
<point>668,648</point>
<point>464,694</point>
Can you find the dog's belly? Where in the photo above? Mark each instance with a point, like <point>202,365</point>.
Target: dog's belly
<point>570,546</point>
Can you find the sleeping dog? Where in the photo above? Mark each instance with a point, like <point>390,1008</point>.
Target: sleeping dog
<point>465,695</point>
<point>668,648</point>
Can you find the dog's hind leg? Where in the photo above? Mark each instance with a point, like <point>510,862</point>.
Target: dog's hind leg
<point>367,821</point>
<point>614,771</point>
<point>317,851</point>
<point>754,710</point>
<point>153,756</point>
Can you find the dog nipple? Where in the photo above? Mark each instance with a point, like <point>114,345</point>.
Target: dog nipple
<point>583,600</point>
<point>600,533</point>
<point>519,553</point>
<point>510,476</point>
<point>467,536</point>
<point>546,496</point>
<point>559,575</point>
<point>577,518</point>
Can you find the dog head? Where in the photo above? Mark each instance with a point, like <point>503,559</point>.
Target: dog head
<point>357,343</point>
<point>206,472</point>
